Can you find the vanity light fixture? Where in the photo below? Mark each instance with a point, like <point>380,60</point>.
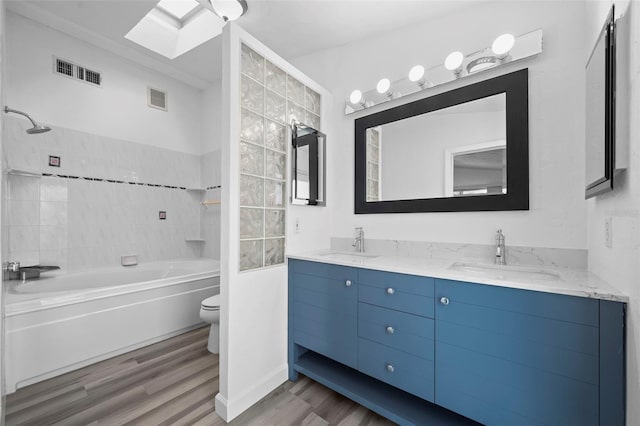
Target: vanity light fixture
<point>416,74</point>
<point>500,48</point>
<point>502,45</point>
<point>357,99</point>
<point>505,49</point>
<point>454,62</point>
<point>384,88</point>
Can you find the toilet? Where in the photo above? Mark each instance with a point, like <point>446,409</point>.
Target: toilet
<point>210,312</point>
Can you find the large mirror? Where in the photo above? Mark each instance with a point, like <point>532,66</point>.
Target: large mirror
<point>463,150</point>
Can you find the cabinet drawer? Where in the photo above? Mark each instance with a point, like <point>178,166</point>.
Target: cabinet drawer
<point>325,270</point>
<point>409,333</point>
<point>397,368</point>
<point>406,293</point>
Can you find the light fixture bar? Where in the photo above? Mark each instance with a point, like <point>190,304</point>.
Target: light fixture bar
<point>523,46</point>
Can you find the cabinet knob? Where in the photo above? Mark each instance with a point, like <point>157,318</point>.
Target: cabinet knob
<point>390,368</point>
<point>347,283</point>
<point>390,330</point>
<point>390,290</point>
<point>444,300</point>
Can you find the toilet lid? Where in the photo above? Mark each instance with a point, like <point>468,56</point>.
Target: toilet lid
<point>211,302</point>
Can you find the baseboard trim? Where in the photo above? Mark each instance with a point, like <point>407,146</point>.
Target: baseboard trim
<point>230,409</point>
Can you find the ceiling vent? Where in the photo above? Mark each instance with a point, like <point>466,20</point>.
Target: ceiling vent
<point>77,72</point>
<point>156,98</point>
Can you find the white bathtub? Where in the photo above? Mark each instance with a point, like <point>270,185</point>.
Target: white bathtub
<point>62,322</point>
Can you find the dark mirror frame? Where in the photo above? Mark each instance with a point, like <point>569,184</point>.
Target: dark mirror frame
<point>515,86</point>
<point>605,182</point>
<point>301,136</point>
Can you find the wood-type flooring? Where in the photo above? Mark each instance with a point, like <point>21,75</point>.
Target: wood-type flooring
<point>172,382</point>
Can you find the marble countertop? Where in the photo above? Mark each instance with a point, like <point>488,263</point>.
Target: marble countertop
<point>571,282</point>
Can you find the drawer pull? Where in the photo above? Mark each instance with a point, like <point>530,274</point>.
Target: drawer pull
<point>348,283</point>
<point>390,290</point>
<point>390,330</point>
<point>444,300</point>
<point>390,368</point>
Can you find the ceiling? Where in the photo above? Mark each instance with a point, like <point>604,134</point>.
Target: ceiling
<point>291,28</point>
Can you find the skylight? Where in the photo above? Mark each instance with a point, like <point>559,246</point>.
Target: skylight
<point>174,27</point>
<point>177,8</point>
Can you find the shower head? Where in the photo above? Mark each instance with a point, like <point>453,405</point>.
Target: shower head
<point>37,128</point>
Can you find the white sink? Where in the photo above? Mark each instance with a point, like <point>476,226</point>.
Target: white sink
<point>505,272</point>
<point>352,257</point>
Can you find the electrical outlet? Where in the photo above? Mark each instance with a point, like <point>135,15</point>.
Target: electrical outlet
<point>608,232</point>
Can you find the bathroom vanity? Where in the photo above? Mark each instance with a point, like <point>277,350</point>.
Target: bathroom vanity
<point>426,342</point>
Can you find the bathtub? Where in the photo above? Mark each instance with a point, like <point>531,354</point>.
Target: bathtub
<point>62,322</point>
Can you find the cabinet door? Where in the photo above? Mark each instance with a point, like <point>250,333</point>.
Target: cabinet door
<point>515,357</point>
<point>324,309</point>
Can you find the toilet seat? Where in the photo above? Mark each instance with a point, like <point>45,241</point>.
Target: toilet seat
<point>211,303</point>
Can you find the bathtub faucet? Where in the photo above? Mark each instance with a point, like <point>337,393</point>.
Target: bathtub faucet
<point>10,271</point>
<point>13,271</point>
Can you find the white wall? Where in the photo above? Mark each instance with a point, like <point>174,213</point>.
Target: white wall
<point>619,263</point>
<point>557,217</point>
<point>253,305</point>
<point>110,133</point>
<point>118,109</point>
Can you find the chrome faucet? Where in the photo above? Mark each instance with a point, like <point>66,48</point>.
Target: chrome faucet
<point>13,271</point>
<point>500,252</point>
<point>358,241</point>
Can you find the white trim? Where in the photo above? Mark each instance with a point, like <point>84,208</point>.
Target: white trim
<point>229,410</point>
<point>449,153</point>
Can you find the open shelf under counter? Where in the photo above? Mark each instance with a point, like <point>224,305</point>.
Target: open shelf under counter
<point>386,400</point>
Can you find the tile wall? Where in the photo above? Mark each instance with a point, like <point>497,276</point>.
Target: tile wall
<point>104,200</point>
<point>270,99</point>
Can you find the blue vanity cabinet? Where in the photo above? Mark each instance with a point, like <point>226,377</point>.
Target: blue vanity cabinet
<point>506,356</point>
<point>420,350</point>
<point>323,303</point>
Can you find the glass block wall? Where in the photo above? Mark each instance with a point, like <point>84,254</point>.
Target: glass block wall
<point>270,99</point>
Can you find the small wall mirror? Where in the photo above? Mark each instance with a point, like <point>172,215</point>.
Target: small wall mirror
<point>308,174</point>
<point>600,113</point>
<point>463,150</point>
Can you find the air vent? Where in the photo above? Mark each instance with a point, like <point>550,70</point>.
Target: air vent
<point>92,77</point>
<point>157,98</point>
<point>77,72</point>
<point>64,67</point>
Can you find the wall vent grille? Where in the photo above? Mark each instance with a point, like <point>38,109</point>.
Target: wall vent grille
<point>92,77</point>
<point>77,72</point>
<point>157,99</point>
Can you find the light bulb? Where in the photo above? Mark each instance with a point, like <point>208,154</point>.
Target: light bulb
<point>227,9</point>
<point>355,97</point>
<point>454,62</point>
<point>383,86</point>
<point>502,45</point>
<point>416,73</point>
